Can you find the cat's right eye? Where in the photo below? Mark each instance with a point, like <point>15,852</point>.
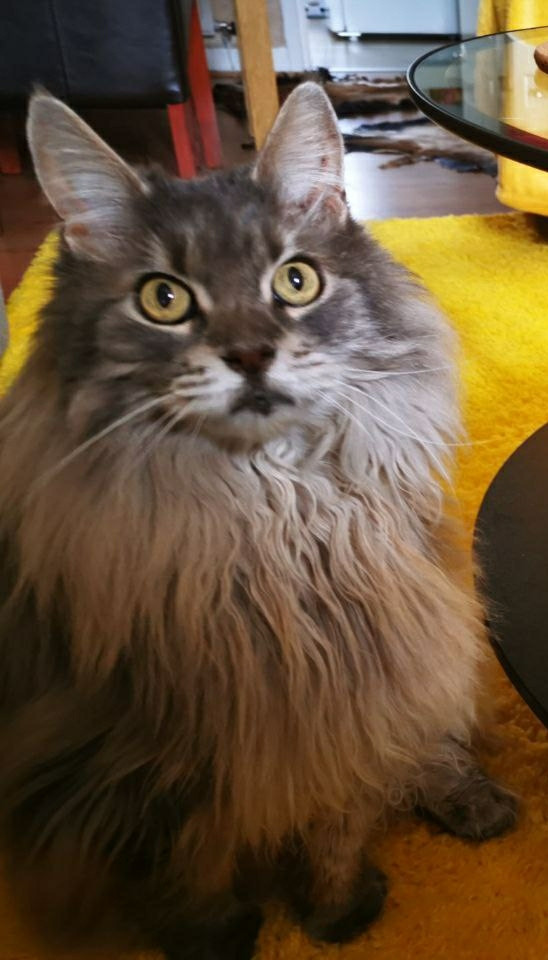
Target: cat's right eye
<point>164,300</point>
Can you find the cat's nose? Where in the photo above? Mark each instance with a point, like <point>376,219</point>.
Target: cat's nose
<point>251,361</point>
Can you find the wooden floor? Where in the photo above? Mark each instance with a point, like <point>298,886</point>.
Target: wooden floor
<point>418,190</point>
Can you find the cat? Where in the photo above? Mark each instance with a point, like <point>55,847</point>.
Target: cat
<point>235,629</point>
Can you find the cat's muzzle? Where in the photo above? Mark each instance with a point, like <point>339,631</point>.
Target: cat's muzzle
<point>260,399</point>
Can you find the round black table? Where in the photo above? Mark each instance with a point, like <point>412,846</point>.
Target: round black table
<point>489,90</point>
<point>512,545</point>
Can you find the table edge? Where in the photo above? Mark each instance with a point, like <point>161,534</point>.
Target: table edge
<point>527,154</point>
<point>497,645</point>
<point>534,705</point>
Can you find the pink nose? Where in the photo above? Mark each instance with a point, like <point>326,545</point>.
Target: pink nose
<point>249,361</point>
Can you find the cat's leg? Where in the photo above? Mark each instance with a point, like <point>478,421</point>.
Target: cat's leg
<point>456,793</point>
<point>216,916</point>
<point>185,923</point>
<point>232,937</point>
<point>336,892</point>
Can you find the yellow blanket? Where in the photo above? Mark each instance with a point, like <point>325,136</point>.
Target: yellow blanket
<point>448,899</point>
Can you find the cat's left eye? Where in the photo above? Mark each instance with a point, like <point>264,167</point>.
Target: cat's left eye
<point>296,283</point>
<point>163,299</point>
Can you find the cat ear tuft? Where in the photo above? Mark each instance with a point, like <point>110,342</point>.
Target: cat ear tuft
<point>88,184</point>
<point>303,155</point>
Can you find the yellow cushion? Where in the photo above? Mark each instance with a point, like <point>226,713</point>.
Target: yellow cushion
<point>23,308</point>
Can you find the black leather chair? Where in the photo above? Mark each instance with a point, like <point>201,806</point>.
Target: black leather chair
<point>112,53</point>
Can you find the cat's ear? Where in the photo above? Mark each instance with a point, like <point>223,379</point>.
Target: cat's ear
<point>88,184</point>
<point>303,154</point>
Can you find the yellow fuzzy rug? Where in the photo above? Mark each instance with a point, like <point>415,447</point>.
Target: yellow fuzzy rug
<point>448,900</point>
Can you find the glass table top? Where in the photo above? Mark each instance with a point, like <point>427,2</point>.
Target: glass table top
<point>489,90</point>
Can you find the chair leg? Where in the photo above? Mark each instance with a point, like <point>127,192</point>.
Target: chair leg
<point>10,161</point>
<point>200,91</point>
<point>179,121</point>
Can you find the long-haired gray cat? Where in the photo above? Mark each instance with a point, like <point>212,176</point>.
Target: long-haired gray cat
<point>234,629</point>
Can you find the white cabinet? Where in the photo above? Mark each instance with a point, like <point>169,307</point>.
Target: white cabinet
<point>395,16</point>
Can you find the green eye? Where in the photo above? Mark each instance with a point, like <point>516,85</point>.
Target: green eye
<point>165,300</point>
<point>297,283</point>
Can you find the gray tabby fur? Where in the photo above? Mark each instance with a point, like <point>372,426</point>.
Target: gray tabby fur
<point>231,639</point>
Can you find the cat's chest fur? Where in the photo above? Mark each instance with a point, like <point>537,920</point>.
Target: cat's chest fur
<point>292,619</point>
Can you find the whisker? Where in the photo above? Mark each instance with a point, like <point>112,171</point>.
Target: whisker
<point>405,487</point>
<point>178,417</point>
<point>438,443</point>
<point>307,363</point>
<point>82,447</point>
<point>196,431</point>
<point>440,467</point>
<point>158,435</point>
<point>347,413</point>
<point>382,374</point>
<point>409,436</point>
<point>155,434</point>
<point>193,382</point>
<point>191,394</point>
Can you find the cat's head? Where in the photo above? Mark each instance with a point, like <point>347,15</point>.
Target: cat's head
<point>231,304</point>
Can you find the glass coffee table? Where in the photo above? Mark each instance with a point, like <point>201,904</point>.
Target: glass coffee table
<point>490,91</point>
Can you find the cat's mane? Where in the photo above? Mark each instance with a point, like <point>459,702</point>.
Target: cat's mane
<point>229,638</point>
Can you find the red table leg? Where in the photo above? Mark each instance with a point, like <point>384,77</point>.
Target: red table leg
<point>179,121</point>
<point>200,89</point>
<point>10,161</point>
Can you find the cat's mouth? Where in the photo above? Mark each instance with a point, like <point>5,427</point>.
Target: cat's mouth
<point>261,400</point>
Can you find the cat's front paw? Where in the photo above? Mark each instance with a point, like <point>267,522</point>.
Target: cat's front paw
<point>478,810</point>
<point>342,924</point>
<point>234,939</point>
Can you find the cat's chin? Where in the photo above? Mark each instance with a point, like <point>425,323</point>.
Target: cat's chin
<point>246,429</point>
